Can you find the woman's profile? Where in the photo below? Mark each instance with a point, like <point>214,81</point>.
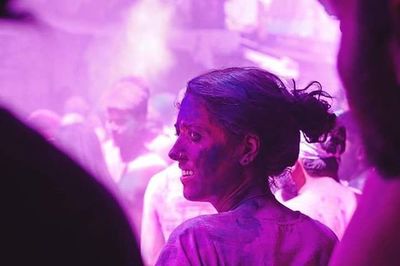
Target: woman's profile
<point>236,127</point>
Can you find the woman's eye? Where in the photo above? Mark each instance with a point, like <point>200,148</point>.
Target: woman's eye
<point>194,136</point>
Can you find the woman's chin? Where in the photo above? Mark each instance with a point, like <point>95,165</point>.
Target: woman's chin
<point>191,195</point>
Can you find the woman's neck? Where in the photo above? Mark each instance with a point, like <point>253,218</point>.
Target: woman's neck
<point>238,195</point>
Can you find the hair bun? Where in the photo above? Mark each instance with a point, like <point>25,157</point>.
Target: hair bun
<point>311,112</point>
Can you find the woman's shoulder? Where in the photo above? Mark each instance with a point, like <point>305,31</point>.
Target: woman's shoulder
<point>316,231</point>
<point>199,223</point>
<point>205,228</point>
<point>195,242</point>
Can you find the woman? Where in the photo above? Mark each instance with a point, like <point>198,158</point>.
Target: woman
<point>236,127</point>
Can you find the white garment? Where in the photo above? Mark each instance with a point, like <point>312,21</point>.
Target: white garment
<point>132,178</point>
<point>164,209</point>
<point>326,201</point>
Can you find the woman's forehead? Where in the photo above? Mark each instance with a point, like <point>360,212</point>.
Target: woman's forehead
<point>193,112</point>
<point>193,108</point>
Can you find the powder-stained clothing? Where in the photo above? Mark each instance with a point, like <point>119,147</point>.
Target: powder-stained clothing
<point>257,232</point>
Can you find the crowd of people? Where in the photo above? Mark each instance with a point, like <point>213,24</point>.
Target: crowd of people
<point>240,168</point>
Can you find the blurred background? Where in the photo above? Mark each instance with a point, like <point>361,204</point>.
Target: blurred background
<point>100,79</point>
<point>81,47</point>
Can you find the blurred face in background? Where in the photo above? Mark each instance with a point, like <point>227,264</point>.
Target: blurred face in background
<point>126,114</point>
<point>125,130</point>
<point>121,125</point>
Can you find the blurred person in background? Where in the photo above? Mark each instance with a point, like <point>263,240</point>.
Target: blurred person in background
<point>81,143</point>
<point>313,186</point>
<point>369,66</point>
<point>54,212</point>
<point>77,137</point>
<point>45,121</point>
<point>161,117</point>
<point>354,167</point>
<point>130,161</point>
<point>76,110</point>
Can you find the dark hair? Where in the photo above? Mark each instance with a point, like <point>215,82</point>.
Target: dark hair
<point>253,100</point>
<point>327,157</point>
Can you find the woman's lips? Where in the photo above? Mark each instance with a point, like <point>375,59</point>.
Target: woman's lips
<point>186,174</point>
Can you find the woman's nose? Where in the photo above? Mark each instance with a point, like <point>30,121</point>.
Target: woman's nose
<point>176,152</point>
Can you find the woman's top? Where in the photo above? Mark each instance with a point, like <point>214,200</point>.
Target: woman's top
<point>260,231</point>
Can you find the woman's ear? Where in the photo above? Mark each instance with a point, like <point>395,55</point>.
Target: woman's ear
<point>251,148</point>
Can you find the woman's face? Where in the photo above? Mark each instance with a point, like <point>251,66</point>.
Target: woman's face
<point>206,154</point>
